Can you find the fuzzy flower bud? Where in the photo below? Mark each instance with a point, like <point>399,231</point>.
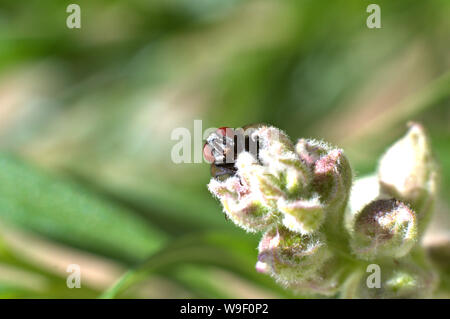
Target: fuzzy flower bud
<point>243,209</point>
<point>332,175</point>
<point>407,171</point>
<point>384,228</point>
<point>331,178</point>
<point>290,258</point>
<point>278,155</point>
<point>379,226</point>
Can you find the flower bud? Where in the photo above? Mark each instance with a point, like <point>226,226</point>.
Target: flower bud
<point>384,228</point>
<point>241,206</point>
<point>289,257</point>
<point>332,175</point>
<point>247,213</point>
<point>326,281</point>
<point>407,171</point>
<point>277,154</point>
<point>331,179</point>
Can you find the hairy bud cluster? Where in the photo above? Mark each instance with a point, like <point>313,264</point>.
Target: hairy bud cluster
<point>288,191</point>
<point>386,211</point>
<point>298,195</point>
<point>290,256</point>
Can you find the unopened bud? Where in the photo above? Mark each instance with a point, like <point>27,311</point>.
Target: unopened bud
<point>332,175</point>
<point>384,228</point>
<point>277,154</point>
<point>289,257</point>
<point>245,210</point>
<point>407,171</point>
<point>326,280</point>
<point>331,179</point>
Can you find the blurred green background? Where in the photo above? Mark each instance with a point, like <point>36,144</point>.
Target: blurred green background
<point>86,117</point>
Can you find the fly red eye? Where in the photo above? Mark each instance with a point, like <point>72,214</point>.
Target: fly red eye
<point>219,147</point>
<point>225,131</point>
<point>222,130</point>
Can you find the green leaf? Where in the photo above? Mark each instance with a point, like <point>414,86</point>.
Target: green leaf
<point>65,212</point>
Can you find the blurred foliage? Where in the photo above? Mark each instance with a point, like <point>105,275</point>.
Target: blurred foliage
<point>86,118</point>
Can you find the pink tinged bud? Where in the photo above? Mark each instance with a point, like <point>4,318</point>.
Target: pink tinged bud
<point>407,171</point>
<point>291,258</point>
<point>230,187</point>
<point>240,205</point>
<point>331,181</point>
<point>332,175</point>
<point>247,213</point>
<point>302,216</point>
<point>384,228</point>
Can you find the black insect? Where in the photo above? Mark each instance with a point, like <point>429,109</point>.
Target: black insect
<point>224,145</point>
